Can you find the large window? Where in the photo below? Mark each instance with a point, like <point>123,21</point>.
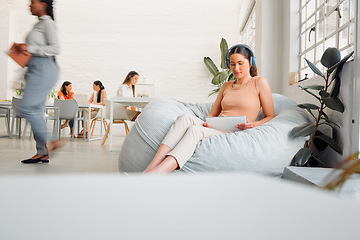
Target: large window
<point>247,31</point>
<point>323,24</point>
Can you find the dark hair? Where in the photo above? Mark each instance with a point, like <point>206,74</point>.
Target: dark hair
<point>49,8</point>
<point>99,83</point>
<point>63,89</point>
<point>128,78</point>
<point>246,53</point>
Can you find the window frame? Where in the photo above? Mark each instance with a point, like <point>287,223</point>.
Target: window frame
<point>314,51</point>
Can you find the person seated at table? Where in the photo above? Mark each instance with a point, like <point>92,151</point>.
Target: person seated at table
<point>65,93</point>
<point>98,98</point>
<point>127,89</point>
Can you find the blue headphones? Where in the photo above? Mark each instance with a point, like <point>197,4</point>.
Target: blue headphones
<point>252,57</point>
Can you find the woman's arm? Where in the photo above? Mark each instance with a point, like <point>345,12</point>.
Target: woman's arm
<point>60,95</point>
<point>120,91</point>
<point>90,101</point>
<point>216,107</point>
<point>266,101</point>
<point>103,97</point>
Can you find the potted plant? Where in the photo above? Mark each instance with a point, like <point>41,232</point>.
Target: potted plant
<point>19,91</point>
<point>219,77</point>
<point>327,97</point>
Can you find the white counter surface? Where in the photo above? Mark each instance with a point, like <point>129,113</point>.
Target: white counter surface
<point>177,206</point>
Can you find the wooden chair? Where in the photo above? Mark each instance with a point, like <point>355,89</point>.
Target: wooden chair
<point>93,122</point>
<point>119,117</point>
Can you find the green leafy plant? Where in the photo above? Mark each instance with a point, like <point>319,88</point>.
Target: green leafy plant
<point>52,93</point>
<point>327,97</point>
<point>219,76</point>
<point>19,91</point>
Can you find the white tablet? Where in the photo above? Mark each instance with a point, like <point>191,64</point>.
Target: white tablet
<point>225,123</point>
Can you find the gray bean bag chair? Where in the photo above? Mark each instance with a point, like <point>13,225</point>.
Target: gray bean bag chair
<point>266,149</point>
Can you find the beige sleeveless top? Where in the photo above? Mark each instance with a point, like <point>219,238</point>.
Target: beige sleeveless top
<point>241,100</point>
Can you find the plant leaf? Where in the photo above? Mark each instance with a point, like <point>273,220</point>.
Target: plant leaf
<point>308,106</point>
<point>334,134</point>
<point>224,48</point>
<point>315,69</point>
<point>331,143</point>
<point>315,87</point>
<point>309,111</point>
<point>211,66</point>
<point>342,62</point>
<point>336,89</point>
<point>304,89</point>
<point>303,130</point>
<point>330,57</point>
<point>324,94</point>
<point>301,157</point>
<point>220,78</point>
<point>230,75</point>
<point>334,103</point>
<point>214,91</point>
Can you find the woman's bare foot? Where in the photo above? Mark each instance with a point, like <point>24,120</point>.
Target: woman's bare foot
<point>81,134</point>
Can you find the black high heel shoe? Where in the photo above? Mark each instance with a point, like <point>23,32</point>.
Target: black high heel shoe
<point>36,160</point>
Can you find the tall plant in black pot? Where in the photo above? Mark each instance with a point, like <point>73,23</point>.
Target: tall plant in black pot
<point>327,97</point>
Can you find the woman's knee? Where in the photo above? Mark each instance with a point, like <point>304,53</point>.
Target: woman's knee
<point>184,116</point>
<point>195,131</point>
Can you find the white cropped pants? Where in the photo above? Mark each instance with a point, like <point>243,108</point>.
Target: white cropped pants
<point>184,135</point>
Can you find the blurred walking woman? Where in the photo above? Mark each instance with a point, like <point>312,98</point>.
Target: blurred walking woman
<point>42,73</point>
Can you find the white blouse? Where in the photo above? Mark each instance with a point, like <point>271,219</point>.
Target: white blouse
<point>124,91</point>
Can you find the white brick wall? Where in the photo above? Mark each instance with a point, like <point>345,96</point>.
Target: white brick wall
<point>165,41</point>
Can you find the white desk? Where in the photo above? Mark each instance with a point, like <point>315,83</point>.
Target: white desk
<point>81,105</point>
<point>8,105</point>
<point>177,206</point>
<point>138,102</point>
<point>5,103</point>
